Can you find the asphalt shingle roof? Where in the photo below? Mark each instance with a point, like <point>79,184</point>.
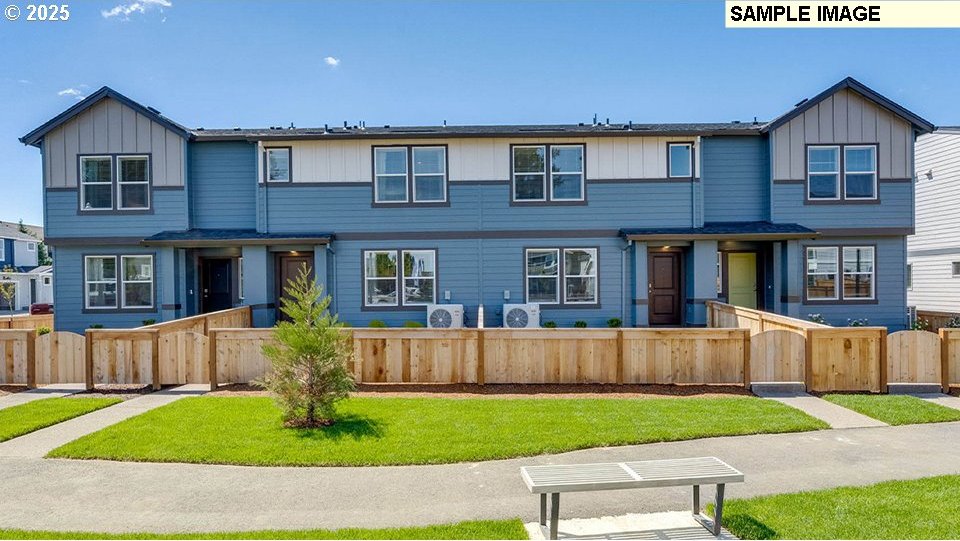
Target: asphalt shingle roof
<point>11,230</point>
<point>722,229</point>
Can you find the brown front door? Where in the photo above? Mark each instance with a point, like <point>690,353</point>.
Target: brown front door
<point>665,295</point>
<point>288,268</point>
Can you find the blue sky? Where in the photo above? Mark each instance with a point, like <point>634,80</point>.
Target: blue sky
<point>245,63</point>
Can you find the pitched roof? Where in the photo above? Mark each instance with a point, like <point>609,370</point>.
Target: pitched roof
<point>34,137</point>
<point>919,124</point>
<point>727,230</point>
<point>11,230</point>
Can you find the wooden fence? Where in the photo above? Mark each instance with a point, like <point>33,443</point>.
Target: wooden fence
<point>16,356</point>
<point>60,358</point>
<point>26,321</point>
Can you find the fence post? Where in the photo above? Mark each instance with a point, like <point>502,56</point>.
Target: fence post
<point>884,387</point>
<point>88,359</point>
<point>620,354</point>
<point>709,314</point>
<point>747,345</point>
<point>481,371</point>
<point>808,359</point>
<point>155,357</point>
<point>212,358</point>
<point>32,359</point>
<point>944,359</point>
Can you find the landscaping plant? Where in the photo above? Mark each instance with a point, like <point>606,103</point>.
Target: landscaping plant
<point>920,325</point>
<point>580,324</point>
<point>413,324</point>
<point>377,324</point>
<point>309,358</point>
<point>43,329</point>
<point>614,323</point>
<point>817,318</point>
<point>8,291</point>
<point>550,325</point>
<point>858,322</point>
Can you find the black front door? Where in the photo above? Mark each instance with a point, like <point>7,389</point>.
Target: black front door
<point>216,277</point>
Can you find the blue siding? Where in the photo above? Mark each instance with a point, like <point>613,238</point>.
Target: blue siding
<point>169,213</point>
<point>735,177</point>
<point>223,185</point>
<point>7,258</point>
<point>894,210</point>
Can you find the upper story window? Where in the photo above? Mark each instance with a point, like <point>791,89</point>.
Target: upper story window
<point>416,276</point>
<point>842,172</point>
<point>529,167</point>
<point>830,279</point>
<point>133,182</point>
<point>561,276</point>
<point>31,246</point>
<point>96,183</point>
<point>410,174</point>
<point>278,164</point>
<point>680,160</point>
<point>126,175</point>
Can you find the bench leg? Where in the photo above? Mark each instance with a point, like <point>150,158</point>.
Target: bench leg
<point>718,511</point>
<point>554,514</point>
<point>696,500</point>
<point>543,509</point>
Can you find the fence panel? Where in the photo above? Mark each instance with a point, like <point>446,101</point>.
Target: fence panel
<point>846,359</point>
<point>693,356</point>
<point>60,358</point>
<point>777,355</point>
<point>238,354</point>
<point>726,315</point>
<point>913,357</point>
<point>418,356</point>
<point>550,355</point>
<point>950,357</point>
<point>26,321</point>
<point>17,357</point>
<point>123,357</point>
<point>184,358</point>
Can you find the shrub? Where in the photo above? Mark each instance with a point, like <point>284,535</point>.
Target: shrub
<point>309,358</point>
<point>614,323</point>
<point>549,324</point>
<point>43,329</point>
<point>954,323</point>
<point>413,324</point>
<point>858,322</point>
<point>817,318</point>
<point>96,325</point>
<point>377,324</point>
<point>920,325</point>
<point>580,324</point>
<point>147,322</point>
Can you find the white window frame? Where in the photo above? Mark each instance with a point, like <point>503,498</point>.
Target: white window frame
<point>595,275</point>
<point>875,172</point>
<point>838,172</point>
<point>266,163</point>
<point>413,172</point>
<point>402,298</point>
<point>581,172</point>
<point>405,175</point>
<point>47,280</point>
<point>121,183</point>
<point>83,184</point>
<point>837,275</point>
<point>86,283</point>
<point>872,273</point>
<point>527,276</point>
<point>543,174</point>
<point>122,281</point>
<point>689,159</point>
<point>31,246</point>
<point>367,279</point>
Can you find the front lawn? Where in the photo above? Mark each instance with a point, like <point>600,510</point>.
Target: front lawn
<point>895,409</point>
<point>481,529</point>
<point>19,420</point>
<point>921,509</point>
<point>396,431</point>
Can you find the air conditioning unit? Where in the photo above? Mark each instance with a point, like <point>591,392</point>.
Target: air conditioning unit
<point>911,315</point>
<point>445,316</point>
<point>521,316</point>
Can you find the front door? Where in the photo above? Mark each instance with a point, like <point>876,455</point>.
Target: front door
<point>288,268</point>
<point>665,293</point>
<point>742,283</point>
<point>216,276</point>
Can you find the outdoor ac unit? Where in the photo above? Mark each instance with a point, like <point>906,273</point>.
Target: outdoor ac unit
<point>521,316</point>
<point>445,316</point>
<point>911,315</point>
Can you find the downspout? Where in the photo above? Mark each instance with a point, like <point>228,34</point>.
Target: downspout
<point>623,281</point>
<point>332,264</point>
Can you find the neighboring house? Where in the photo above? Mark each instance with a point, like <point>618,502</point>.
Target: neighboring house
<point>805,214</point>
<point>933,257</point>
<point>19,256</point>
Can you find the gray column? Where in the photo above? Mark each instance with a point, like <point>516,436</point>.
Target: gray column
<point>793,262</point>
<point>256,286</point>
<point>167,281</point>
<point>641,312</point>
<point>703,258</point>
<point>320,267</point>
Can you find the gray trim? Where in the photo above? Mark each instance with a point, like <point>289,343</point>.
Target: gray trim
<point>119,281</point>
<point>201,243</point>
<point>168,188</point>
<point>92,241</point>
<point>475,235</point>
<point>790,299</point>
<point>700,301</point>
<point>896,180</point>
<point>175,306</point>
<point>866,232</point>
<point>480,182</point>
<point>561,303</point>
<point>400,306</point>
<point>674,180</point>
<point>266,166</point>
<point>294,184</point>
<point>63,189</point>
<point>840,300</point>
<point>934,251</point>
<point>411,196</point>
<point>790,181</point>
<point>548,199</point>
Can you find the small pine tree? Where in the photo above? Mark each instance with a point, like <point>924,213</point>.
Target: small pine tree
<point>310,357</point>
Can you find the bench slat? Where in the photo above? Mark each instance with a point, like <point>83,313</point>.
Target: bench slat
<point>643,474</point>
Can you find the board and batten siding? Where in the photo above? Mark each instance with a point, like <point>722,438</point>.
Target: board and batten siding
<point>477,159</point>
<point>109,127</point>
<point>845,117</point>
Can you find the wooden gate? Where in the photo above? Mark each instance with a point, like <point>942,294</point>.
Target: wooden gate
<point>914,357</point>
<point>16,354</point>
<point>777,355</point>
<point>184,358</point>
<point>60,358</point>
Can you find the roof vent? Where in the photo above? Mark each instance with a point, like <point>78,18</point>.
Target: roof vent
<point>386,126</point>
<point>801,102</point>
<point>200,128</point>
<point>580,124</point>
<point>736,122</point>
<point>291,126</point>
<point>236,128</point>
<point>152,110</point>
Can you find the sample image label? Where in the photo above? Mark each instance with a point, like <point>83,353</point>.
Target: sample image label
<point>843,14</point>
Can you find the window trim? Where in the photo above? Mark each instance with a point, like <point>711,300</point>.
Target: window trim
<point>561,277</point>
<point>46,280</point>
<point>693,161</point>
<point>953,269</point>
<point>840,299</point>
<point>266,164</point>
<point>409,200</point>
<point>121,183</point>
<point>548,199</point>
<point>842,198</point>
<point>83,185</point>
<point>876,171</point>
<point>558,279</point>
<point>582,173</point>
<point>398,278</point>
<point>3,249</point>
<point>118,308</point>
<point>123,282</point>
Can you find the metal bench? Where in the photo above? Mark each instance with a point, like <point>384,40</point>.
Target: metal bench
<point>693,472</point>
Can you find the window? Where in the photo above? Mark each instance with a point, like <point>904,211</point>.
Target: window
<point>96,183</point>
<point>133,182</point>
<point>845,273</point>
<point>909,276</point>
<point>419,277</point>
<point>823,172</point>
<point>380,278</point>
<point>860,172</point>
<point>31,246</point>
<point>529,167</point>
<point>680,162</point>
<point>101,281</point>
<point>858,269</point>
<point>278,164</point>
<point>2,253</point>
<point>410,174</point>
<point>381,275</point>
<point>574,268</point>
<point>137,281</point>
<point>955,269</point>
<point>822,273</point>
<point>46,280</point>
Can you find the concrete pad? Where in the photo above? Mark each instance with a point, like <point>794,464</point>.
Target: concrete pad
<point>828,412</point>
<point>49,391</point>
<point>945,400</point>
<point>653,526</point>
<point>38,444</point>
<point>778,387</point>
<point>914,388</point>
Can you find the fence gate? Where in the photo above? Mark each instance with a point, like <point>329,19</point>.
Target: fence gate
<point>60,358</point>
<point>913,357</point>
<point>777,355</point>
<point>184,358</point>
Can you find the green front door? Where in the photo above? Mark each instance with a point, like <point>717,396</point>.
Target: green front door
<point>742,281</point>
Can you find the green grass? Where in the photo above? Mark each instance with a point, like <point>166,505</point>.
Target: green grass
<point>396,431</point>
<point>481,529</point>
<point>921,509</point>
<point>25,418</point>
<point>895,409</point>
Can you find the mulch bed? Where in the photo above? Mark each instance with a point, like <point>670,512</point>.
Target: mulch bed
<point>493,391</point>
<point>123,392</point>
<point>10,389</point>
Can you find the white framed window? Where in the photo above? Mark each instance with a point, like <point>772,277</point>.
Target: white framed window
<point>860,172</point>
<point>429,174</point>
<point>100,282</point>
<point>543,275</point>
<point>380,278</point>
<point>31,246</point>
<point>858,272</point>
<point>3,254</point>
<point>390,175</point>
<point>823,172</point>
<point>529,171</point>
<point>566,172</point>
<point>419,277</point>
<point>137,279</point>
<point>278,164</point>
<point>680,160</point>
<point>133,182</point>
<point>580,275</point>
<point>96,183</point>
<point>47,280</point>
<point>822,273</point>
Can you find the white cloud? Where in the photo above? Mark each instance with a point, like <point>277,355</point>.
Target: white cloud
<point>331,61</point>
<point>140,6</point>
<point>76,93</point>
<point>24,81</point>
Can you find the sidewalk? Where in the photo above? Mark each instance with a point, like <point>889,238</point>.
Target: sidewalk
<point>49,391</point>
<point>828,412</point>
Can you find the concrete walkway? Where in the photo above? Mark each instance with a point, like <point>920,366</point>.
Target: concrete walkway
<point>130,497</point>
<point>38,444</point>
<point>678,525</point>
<point>49,391</point>
<point>945,400</point>
<point>828,412</point>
